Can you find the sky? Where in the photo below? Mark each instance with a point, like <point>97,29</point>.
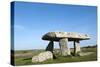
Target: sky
<point>33,20</point>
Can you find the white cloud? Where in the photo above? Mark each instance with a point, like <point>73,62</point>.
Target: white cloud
<point>19,27</point>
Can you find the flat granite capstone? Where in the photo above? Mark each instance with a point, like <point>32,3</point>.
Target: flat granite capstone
<point>55,36</point>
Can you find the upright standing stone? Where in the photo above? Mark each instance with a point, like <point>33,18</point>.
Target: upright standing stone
<point>76,47</point>
<point>50,46</point>
<point>63,43</point>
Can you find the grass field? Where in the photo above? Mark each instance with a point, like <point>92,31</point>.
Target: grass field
<point>23,57</point>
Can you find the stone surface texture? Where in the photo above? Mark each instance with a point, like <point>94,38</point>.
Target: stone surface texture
<point>50,46</point>
<point>42,57</point>
<point>77,49</point>
<point>65,51</point>
<point>71,35</point>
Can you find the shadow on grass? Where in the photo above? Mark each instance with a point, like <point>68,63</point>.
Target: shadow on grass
<point>27,59</point>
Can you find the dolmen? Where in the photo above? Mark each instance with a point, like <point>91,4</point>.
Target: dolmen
<point>63,38</point>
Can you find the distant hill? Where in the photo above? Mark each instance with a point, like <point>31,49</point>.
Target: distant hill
<point>90,46</point>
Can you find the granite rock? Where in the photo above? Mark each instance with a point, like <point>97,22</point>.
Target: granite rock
<point>42,57</point>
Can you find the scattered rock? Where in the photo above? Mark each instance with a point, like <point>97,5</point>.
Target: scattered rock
<point>42,57</point>
<point>86,53</point>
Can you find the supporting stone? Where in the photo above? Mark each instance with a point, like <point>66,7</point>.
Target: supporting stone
<point>63,43</point>
<point>77,47</point>
<point>50,46</point>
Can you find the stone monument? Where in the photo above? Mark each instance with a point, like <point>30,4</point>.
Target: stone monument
<point>63,38</point>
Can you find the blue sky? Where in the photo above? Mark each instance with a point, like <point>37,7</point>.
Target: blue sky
<point>33,20</point>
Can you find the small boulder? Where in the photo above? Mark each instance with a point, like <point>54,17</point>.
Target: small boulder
<point>35,59</point>
<point>42,57</point>
<point>86,53</point>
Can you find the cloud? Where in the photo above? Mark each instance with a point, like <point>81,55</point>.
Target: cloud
<point>19,27</point>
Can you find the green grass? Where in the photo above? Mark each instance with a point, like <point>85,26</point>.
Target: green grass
<point>26,60</point>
